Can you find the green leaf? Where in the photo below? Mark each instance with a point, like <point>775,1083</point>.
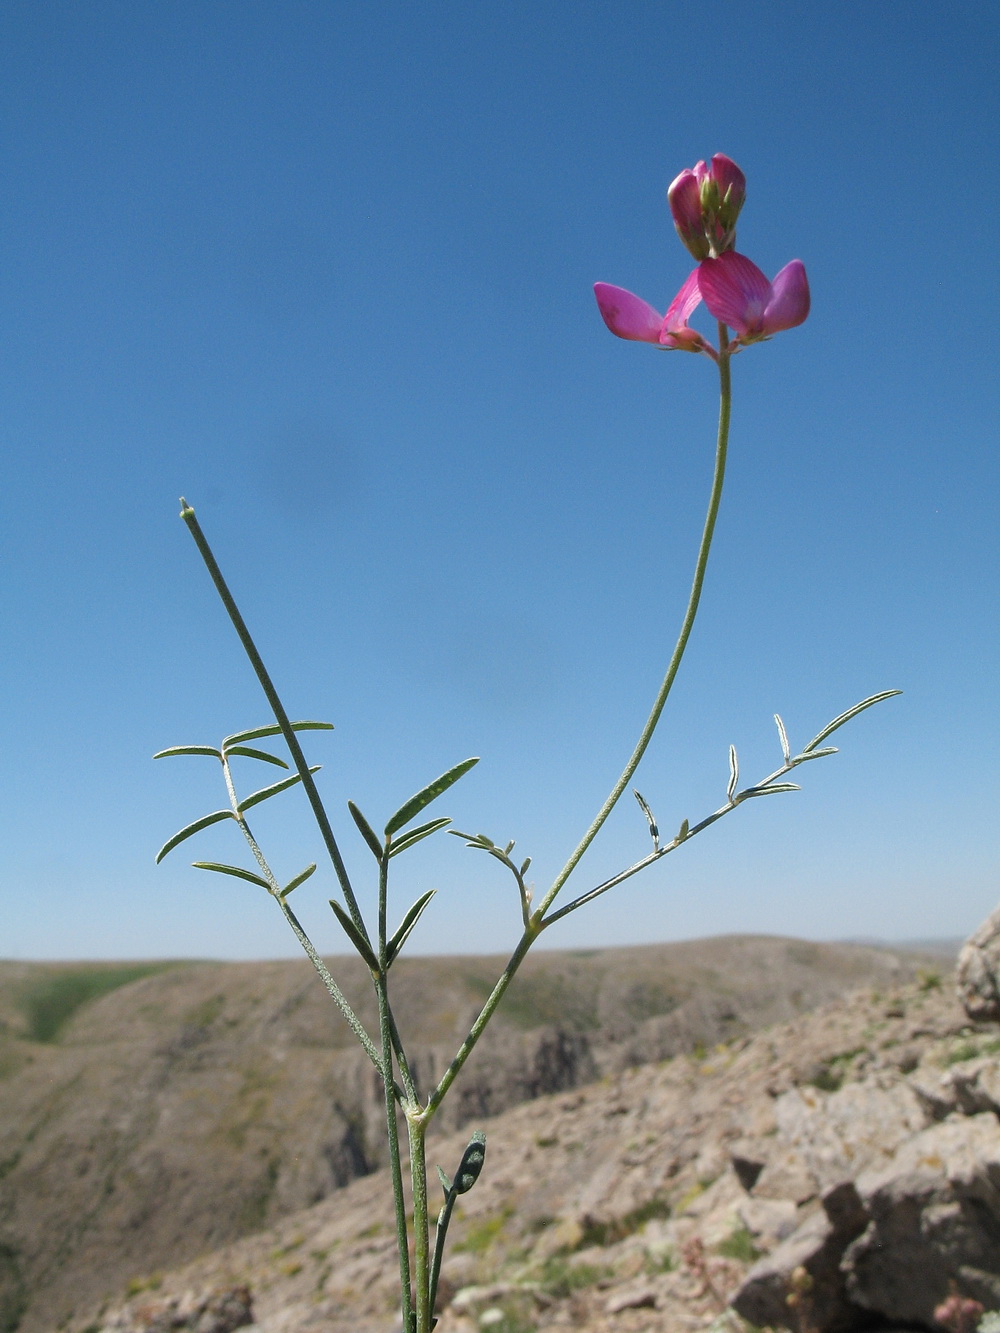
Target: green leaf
<point>524,866</point>
<point>367,832</point>
<point>846,717</point>
<point>445,1182</point>
<point>783,737</point>
<point>429,793</point>
<point>654,832</point>
<point>734,772</point>
<point>299,879</point>
<point>355,936</point>
<point>255,733</point>
<point>771,786</point>
<point>683,831</point>
<point>248,753</point>
<point>196,827</point>
<point>417,835</point>
<point>232,870</point>
<point>815,754</point>
<point>266,792</point>
<point>187,749</point>
<point>406,925</point>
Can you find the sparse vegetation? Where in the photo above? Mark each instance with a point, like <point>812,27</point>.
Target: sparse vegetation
<point>739,1245</point>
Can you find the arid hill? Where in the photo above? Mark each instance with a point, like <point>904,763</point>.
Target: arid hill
<point>153,1113</point>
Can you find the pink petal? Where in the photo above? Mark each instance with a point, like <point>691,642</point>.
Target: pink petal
<point>735,291</point>
<point>686,301</point>
<point>627,316</point>
<point>789,304</point>
<point>728,176</point>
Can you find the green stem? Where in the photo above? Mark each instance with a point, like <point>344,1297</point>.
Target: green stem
<point>278,708</point>
<point>440,1236</point>
<point>338,996</point>
<point>531,933</point>
<point>386,1027</point>
<point>421,1236</point>
<point>725,400</point>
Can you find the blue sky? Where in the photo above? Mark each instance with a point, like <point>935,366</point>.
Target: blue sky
<point>326,269</point>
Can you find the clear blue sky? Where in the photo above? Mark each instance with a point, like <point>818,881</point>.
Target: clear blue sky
<point>326,269</point>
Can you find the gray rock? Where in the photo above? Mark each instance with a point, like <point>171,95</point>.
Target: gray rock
<point>934,1218</point>
<point>817,1247</point>
<point>975,1085</point>
<point>977,976</point>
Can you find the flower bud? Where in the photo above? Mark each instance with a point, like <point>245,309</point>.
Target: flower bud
<point>705,203</point>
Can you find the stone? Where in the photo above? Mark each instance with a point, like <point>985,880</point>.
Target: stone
<point>977,976</point>
<point>934,1218</point>
<point>975,1085</point>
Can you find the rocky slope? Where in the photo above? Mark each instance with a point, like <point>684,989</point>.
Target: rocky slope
<point>849,1159</point>
<point>194,1104</point>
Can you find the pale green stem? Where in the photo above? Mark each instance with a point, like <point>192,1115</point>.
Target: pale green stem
<point>386,1031</point>
<point>421,1235</point>
<point>336,994</point>
<point>725,397</point>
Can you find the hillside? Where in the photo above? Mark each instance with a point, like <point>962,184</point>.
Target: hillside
<point>151,1113</point>
<point>858,1146</point>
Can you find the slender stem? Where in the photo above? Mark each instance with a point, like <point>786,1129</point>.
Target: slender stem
<point>440,1235</point>
<point>421,1239</point>
<point>531,933</point>
<point>278,708</point>
<point>338,996</point>
<point>386,1027</point>
<point>725,401</point>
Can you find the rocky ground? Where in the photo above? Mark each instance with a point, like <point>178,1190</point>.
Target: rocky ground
<point>178,1109</point>
<point>848,1159</point>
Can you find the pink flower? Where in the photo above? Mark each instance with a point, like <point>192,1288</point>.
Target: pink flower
<point>738,294</point>
<point>705,203</point>
<point>628,316</point>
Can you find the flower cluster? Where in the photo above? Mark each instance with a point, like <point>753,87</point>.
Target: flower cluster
<point>705,202</point>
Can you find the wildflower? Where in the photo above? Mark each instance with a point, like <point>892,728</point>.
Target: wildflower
<point>738,294</point>
<point>705,203</point>
<point>628,316</point>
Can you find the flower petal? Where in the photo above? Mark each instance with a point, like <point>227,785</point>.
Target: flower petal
<point>626,315</point>
<point>686,300</point>
<point>735,291</point>
<point>789,303</point>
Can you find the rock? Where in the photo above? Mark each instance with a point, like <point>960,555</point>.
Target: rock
<point>815,1247</point>
<point>977,976</point>
<point>632,1298</point>
<point>934,1218</point>
<point>975,1085</point>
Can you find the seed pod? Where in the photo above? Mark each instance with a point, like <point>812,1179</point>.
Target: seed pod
<point>471,1164</point>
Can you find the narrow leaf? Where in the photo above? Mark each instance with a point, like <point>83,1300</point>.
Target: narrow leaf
<point>734,772</point>
<point>187,749</point>
<point>249,753</point>
<point>417,835</point>
<point>255,733</point>
<point>654,832</point>
<point>445,1182</point>
<point>683,831</point>
<point>196,827</point>
<point>429,793</point>
<point>232,870</point>
<point>406,925</point>
<point>299,879</point>
<point>771,786</point>
<point>354,935</point>
<point>524,866</point>
<point>846,717</point>
<point>815,754</point>
<point>783,737</point>
<point>266,792</point>
<point>367,832</point>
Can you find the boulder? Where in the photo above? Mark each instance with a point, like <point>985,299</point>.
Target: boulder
<point>977,976</point>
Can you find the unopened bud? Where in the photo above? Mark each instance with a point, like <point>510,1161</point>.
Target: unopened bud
<point>471,1164</point>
